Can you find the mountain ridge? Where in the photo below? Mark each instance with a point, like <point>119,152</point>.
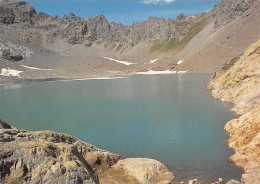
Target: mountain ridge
<point>87,42</point>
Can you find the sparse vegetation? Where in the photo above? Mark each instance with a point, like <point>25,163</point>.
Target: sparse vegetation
<point>230,63</point>
<point>119,47</point>
<point>174,44</point>
<point>110,47</point>
<point>157,46</point>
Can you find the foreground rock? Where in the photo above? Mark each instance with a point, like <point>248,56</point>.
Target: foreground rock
<point>49,157</point>
<point>239,82</point>
<point>137,170</point>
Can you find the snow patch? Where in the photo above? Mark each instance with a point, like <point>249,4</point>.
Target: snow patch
<point>34,68</point>
<point>152,72</point>
<point>93,78</point>
<point>10,72</point>
<point>100,78</point>
<point>182,72</point>
<point>180,62</point>
<point>118,61</point>
<point>153,61</point>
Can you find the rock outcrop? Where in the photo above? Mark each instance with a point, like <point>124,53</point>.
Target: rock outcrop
<point>239,82</point>
<point>137,171</point>
<point>201,41</point>
<point>44,29</point>
<point>19,19</point>
<point>13,52</point>
<point>230,9</point>
<point>41,28</point>
<point>49,157</point>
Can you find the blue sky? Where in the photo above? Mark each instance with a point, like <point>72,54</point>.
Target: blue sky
<point>124,11</point>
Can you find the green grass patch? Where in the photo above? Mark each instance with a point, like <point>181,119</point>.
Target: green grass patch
<point>157,46</point>
<point>119,47</point>
<point>230,63</point>
<point>174,45</point>
<point>110,47</point>
<point>171,44</point>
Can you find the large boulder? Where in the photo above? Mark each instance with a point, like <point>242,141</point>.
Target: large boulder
<point>137,171</point>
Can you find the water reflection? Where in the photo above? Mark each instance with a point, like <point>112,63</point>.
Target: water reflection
<point>12,86</point>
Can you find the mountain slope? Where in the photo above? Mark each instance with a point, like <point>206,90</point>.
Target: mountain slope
<point>83,47</point>
<point>227,42</point>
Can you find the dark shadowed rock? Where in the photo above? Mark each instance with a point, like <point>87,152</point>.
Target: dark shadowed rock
<point>4,125</point>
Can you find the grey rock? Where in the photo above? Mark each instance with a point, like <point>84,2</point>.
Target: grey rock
<point>13,52</point>
<point>75,30</point>
<point>96,29</point>
<point>228,10</point>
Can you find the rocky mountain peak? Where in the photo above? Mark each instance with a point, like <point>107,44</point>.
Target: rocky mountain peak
<point>16,12</point>
<point>72,17</point>
<point>98,28</point>
<point>154,19</point>
<point>228,10</point>
<point>42,15</point>
<point>180,17</point>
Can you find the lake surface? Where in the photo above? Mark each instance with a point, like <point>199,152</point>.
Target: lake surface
<point>171,118</point>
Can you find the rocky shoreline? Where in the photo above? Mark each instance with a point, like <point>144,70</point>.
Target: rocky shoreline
<point>41,48</point>
<point>50,157</point>
<point>62,158</point>
<point>239,82</point>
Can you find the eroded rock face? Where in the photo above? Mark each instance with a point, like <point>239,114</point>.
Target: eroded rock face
<point>49,157</point>
<point>228,10</point>
<point>15,11</point>
<point>20,20</point>
<point>13,52</point>
<point>137,171</point>
<point>239,82</point>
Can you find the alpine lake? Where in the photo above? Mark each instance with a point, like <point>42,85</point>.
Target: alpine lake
<point>171,118</point>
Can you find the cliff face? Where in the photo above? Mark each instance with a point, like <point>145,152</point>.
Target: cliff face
<point>230,9</point>
<point>42,28</point>
<point>19,19</point>
<point>239,82</point>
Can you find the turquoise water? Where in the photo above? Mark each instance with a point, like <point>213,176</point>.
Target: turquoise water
<point>171,118</point>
